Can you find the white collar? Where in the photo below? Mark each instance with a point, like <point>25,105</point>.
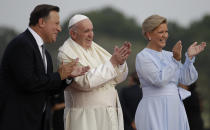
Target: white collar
<point>38,39</point>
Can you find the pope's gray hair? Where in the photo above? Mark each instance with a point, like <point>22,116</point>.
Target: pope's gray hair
<point>73,28</point>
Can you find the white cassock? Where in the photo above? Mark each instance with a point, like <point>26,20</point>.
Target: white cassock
<point>91,100</point>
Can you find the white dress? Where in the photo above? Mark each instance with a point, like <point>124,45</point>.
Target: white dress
<point>91,101</point>
<point>161,107</point>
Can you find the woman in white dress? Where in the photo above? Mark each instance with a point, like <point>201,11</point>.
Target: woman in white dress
<point>160,72</point>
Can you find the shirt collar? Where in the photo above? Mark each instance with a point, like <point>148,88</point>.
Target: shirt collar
<point>38,39</point>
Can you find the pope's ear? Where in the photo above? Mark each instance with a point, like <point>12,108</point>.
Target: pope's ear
<point>72,34</point>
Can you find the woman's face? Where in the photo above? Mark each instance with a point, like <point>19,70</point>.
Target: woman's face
<point>159,37</point>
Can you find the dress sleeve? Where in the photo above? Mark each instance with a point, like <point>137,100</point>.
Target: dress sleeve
<point>151,71</point>
<point>188,73</point>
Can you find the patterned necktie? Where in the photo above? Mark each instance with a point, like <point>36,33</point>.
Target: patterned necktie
<point>43,58</point>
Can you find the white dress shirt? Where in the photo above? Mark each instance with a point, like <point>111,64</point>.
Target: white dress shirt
<point>39,42</point>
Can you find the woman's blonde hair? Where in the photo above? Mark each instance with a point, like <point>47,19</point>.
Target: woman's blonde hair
<point>151,23</point>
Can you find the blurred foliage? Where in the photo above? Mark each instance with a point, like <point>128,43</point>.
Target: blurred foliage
<point>111,28</point>
<point>116,24</point>
<point>6,34</point>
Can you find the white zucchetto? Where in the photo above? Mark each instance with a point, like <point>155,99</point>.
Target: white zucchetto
<point>77,18</point>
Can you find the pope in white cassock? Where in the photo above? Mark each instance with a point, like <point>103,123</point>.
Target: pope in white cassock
<point>91,101</point>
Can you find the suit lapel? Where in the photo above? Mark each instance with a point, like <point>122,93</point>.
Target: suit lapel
<point>36,48</point>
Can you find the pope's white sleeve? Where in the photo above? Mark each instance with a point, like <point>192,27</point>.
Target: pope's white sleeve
<point>95,77</point>
<point>122,72</point>
<point>98,76</point>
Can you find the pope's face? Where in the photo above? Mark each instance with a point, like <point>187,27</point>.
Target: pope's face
<point>159,36</point>
<point>84,33</point>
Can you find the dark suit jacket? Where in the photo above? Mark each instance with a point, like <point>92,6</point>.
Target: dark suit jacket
<point>24,86</point>
<point>193,110</point>
<point>130,97</point>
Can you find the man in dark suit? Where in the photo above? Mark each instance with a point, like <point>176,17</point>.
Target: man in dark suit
<point>193,108</point>
<point>130,97</point>
<point>26,73</point>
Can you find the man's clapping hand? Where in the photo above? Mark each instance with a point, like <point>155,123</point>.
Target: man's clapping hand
<point>71,70</point>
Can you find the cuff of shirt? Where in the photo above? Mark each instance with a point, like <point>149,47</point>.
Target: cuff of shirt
<point>178,63</point>
<point>188,59</point>
<point>68,81</point>
<point>121,67</point>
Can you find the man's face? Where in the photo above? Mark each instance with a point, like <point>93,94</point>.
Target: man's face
<point>84,33</point>
<point>51,27</point>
